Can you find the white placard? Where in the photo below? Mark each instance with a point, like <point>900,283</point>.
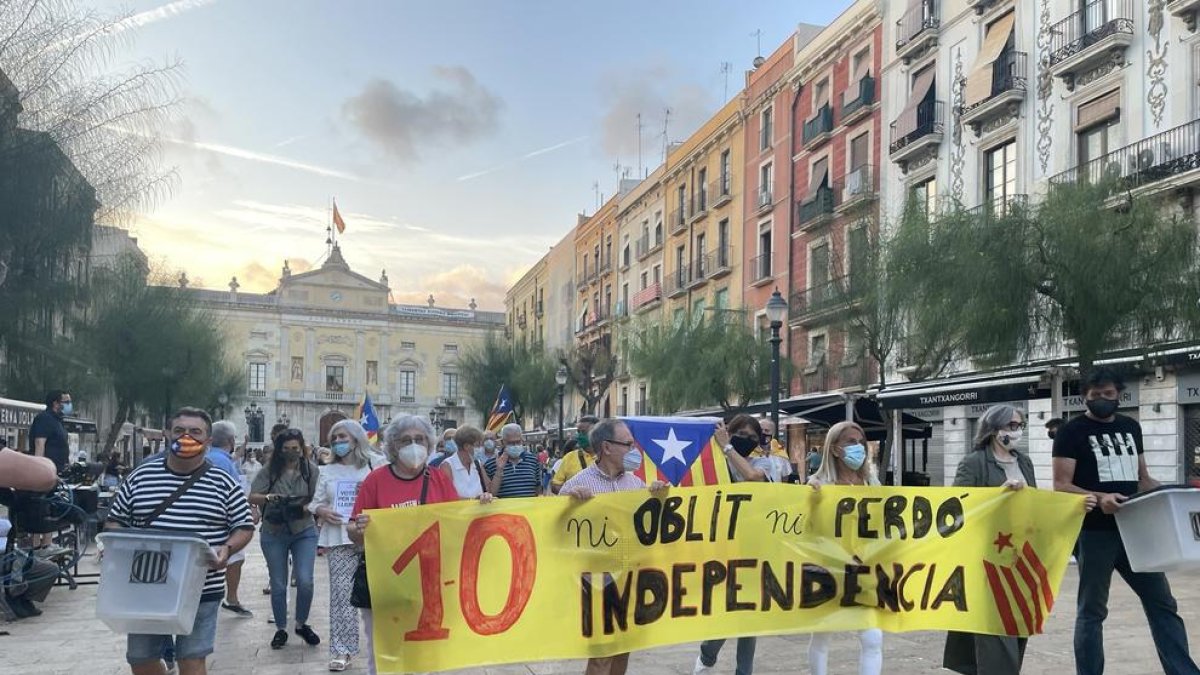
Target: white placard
<point>344,494</point>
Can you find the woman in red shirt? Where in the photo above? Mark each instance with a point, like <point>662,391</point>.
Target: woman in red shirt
<point>405,481</point>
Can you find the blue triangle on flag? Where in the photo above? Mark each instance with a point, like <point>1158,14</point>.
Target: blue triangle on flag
<point>672,443</point>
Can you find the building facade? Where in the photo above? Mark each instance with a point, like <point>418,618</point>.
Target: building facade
<point>320,341</point>
<point>641,220</point>
<point>525,307</point>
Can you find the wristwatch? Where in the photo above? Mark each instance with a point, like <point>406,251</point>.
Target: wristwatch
<point>729,447</point>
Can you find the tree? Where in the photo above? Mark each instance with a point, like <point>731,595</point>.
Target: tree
<point>700,363</point>
<point>1091,266</point>
<point>154,344</point>
<point>591,369</point>
<point>485,369</point>
<point>527,370</point>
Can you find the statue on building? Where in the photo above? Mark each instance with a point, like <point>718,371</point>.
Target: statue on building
<point>472,305</point>
<point>429,301</point>
<point>234,285</point>
<point>183,280</point>
<point>287,271</point>
<point>383,279</point>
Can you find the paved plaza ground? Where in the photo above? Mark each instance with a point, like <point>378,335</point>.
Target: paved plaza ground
<point>68,638</point>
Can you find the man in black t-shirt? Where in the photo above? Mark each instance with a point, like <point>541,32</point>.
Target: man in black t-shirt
<point>48,438</point>
<point>1100,455</point>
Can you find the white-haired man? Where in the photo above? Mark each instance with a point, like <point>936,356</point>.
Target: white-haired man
<point>220,454</point>
<point>515,471</point>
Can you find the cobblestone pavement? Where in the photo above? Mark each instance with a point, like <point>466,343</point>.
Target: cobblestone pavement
<point>68,638</point>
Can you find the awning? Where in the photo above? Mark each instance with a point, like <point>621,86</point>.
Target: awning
<point>964,391</point>
<point>979,82</point>
<point>820,172</point>
<point>907,122</point>
<point>1097,110</point>
<point>870,417</point>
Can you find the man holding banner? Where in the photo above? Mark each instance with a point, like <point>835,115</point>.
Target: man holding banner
<point>617,457</point>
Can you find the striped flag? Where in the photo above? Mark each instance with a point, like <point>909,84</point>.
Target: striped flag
<point>1021,590</point>
<point>502,410</point>
<point>679,450</point>
<point>337,219</point>
<point>367,418</point>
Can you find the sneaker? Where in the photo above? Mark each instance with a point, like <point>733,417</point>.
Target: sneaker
<point>700,668</point>
<point>51,551</point>
<point>237,609</point>
<point>170,664</point>
<point>279,640</point>
<point>309,636</point>
<point>267,590</point>
<point>339,663</point>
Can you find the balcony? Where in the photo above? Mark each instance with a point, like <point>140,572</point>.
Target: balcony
<point>1003,101</point>
<point>854,109</point>
<point>820,128</point>
<point>677,281</point>
<point>765,200</point>
<point>452,401</point>
<point>647,297</point>
<point>257,393</point>
<point>819,302</point>
<point>760,269</point>
<point>722,262</point>
<point>856,374</point>
<point>1186,10</point>
<point>816,378</point>
<point>698,208</point>
<point>646,246</point>
<point>982,6</point>
<point>1093,38</point>
<point>335,396</point>
<point>701,268</point>
<point>1001,207</point>
<point>581,279</point>
<point>606,266</point>
<point>603,315</point>
<point>817,209</point>
<point>677,221</point>
<point>917,31</point>
<point>917,131</point>
<point>621,310</point>
<point>722,190</point>
<point>1167,159</point>
<point>407,399</point>
<point>857,188</point>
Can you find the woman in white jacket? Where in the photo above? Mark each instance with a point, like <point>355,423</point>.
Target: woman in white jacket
<point>352,459</point>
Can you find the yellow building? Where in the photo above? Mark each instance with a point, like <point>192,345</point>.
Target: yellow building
<point>525,307</point>
<point>704,218</point>
<point>641,227</point>
<point>316,343</point>
<point>595,283</point>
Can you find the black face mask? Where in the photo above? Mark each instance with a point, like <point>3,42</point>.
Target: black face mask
<point>1102,407</point>
<point>744,446</point>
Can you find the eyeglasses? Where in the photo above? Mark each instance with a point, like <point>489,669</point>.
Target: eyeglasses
<point>407,440</point>
<point>626,444</point>
<point>1016,426</point>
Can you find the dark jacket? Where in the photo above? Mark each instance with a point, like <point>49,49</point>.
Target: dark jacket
<point>980,469</point>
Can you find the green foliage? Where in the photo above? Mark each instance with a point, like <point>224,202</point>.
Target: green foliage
<point>591,369</point>
<point>701,363</point>
<point>527,370</point>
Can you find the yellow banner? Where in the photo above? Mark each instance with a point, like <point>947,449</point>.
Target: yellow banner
<point>465,584</point>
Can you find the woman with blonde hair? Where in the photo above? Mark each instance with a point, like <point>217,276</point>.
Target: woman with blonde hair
<point>350,462</point>
<point>844,461</point>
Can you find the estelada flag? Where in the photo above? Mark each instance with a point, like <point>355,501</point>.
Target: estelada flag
<point>681,451</point>
<point>367,418</point>
<point>502,410</point>
<point>337,219</point>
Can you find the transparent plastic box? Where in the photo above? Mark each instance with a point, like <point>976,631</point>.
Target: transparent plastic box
<point>151,581</point>
<point>1161,529</point>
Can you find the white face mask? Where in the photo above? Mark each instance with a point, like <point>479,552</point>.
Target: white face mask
<point>1008,438</point>
<point>413,456</point>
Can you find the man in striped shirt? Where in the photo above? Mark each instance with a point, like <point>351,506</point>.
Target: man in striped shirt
<point>515,471</point>
<point>214,507</point>
<point>617,457</point>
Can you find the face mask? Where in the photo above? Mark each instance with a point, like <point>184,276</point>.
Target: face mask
<point>744,446</point>
<point>186,447</point>
<point>341,448</point>
<point>1009,438</point>
<point>68,408</point>
<point>489,446</point>
<point>581,440</point>
<point>450,448</point>
<point>514,451</point>
<point>480,455</point>
<point>632,459</point>
<point>853,456</point>
<point>1102,407</point>
<point>413,456</point>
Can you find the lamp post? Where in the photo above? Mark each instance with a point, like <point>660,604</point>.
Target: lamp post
<point>560,378</point>
<point>222,402</point>
<point>254,420</point>
<point>776,313</point>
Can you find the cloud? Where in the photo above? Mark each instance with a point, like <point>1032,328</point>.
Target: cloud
<point>649,92</point>
<point>167,11</point>
<point>264,158</point>
<point>522,158</point>
<point>456,288</point>
<point>399,122</point>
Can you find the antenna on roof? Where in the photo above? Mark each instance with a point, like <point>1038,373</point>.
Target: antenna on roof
<point>726,67</point>
<point>758,60</point>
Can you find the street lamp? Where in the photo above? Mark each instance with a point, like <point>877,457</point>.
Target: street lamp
<point>223,400</point>
<point>254,420</point>
<point>560,378</point>
<point>776,313</point>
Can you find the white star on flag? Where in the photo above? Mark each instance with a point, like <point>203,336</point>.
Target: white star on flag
<point>672,447</point>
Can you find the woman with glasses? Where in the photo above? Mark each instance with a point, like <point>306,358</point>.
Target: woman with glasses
<point>994,462</point>
<point>748,453</point>
<point>283,491</point>
<point>844,461</point>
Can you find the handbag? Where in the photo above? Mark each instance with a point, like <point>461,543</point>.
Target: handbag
<point>360,590</point>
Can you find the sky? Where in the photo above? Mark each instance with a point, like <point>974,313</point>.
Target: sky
<point>459,138</point>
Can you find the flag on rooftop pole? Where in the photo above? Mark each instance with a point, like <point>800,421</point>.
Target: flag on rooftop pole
<point>337,219</point>
<point>502,410</point>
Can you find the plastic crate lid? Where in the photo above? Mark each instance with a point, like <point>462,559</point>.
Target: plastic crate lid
<point>154,535</point>
<point>1163,489</point>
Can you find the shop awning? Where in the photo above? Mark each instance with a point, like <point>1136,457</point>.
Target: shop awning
<point>965,391</point>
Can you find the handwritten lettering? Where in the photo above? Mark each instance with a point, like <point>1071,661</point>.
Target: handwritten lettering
<point>592,540</point>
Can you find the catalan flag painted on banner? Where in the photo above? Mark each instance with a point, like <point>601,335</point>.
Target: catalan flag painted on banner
<point>337,219</point>
<point>367,418</point>
<point>502,410</point>
<point>1023,585</point>
<point>679,450</point>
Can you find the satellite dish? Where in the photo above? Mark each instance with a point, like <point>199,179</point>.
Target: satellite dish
<point>758,61</point>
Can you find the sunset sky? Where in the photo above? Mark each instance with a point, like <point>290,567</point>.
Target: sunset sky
<point>460,138</point>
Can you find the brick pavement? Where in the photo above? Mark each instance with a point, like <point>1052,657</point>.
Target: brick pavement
<point>68,639</point>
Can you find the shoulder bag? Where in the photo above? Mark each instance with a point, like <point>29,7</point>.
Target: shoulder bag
<point>174,496</point>
<point>360,590</point>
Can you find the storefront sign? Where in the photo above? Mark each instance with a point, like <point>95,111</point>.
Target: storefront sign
<point>17,416</point>
<point>977,410</point>
<point>1129,399</point>
<point>983,395</point>
<point>1189,388</point>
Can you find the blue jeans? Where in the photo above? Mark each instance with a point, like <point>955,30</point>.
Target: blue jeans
<point>195,645</point>
<point>303,548</point>
<point>710,649</point>
<point>1101,552</point>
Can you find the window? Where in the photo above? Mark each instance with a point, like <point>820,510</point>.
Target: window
<point>408,386</point>
<point>258,378</point>
<point>924,197</point>
<point>450,385</point>
<point>608,250</point>
<point>723,243</point>
<point>585,264</point>
<point>702,189</point>
<point>858,251</point>
<point>725,175</point>
<point>1001,167</point>
<point>764,251</point>
<point>818,266</point>
<point>625,297</point>
<point>820,95</point>
<point>658,274</point>
<point>625,256</point>
<point>860,65</point>
<point>1094,14</point>
<point>335,379</point>
<point>450,347</point>
<point>700,248</point>
<point>766,129</point>
<point>678,316</point>
<point>645,281</point>
<point>680,262</point>
<point>682,200</point>
<point>1097,127</point>
<point>860,152</point>
<point>766,179</point>
<point>721,299</point>
<point>698,310</point>
<point>816,350</point>
<point>408,345</point>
